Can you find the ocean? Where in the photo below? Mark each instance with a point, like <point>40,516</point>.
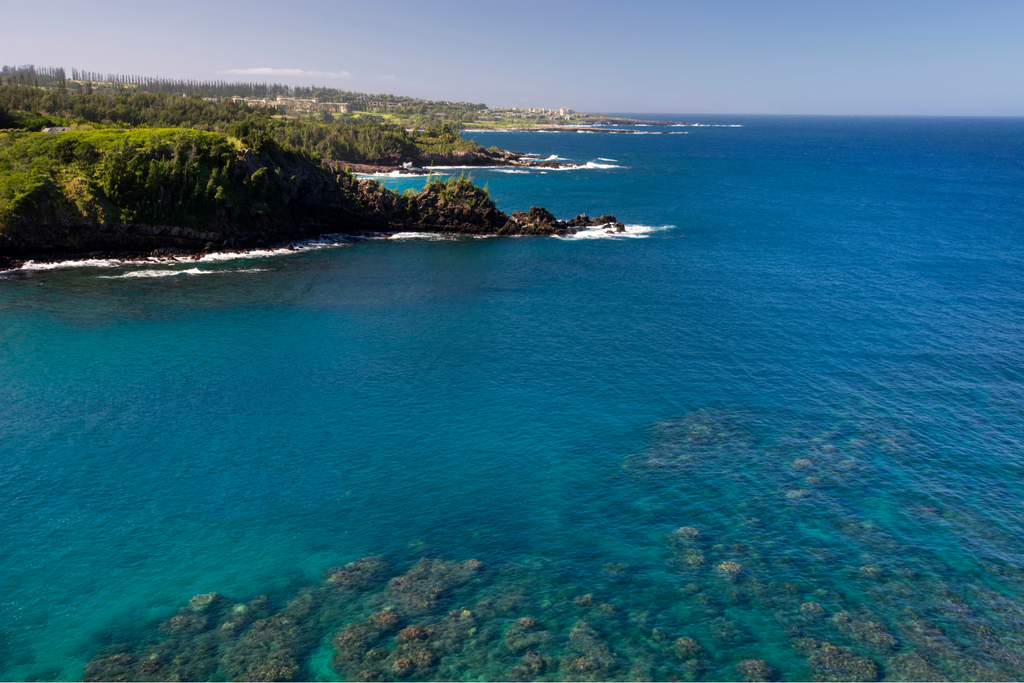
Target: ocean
<point>773,430</point>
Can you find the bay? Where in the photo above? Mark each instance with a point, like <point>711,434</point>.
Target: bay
<point>806,348</point>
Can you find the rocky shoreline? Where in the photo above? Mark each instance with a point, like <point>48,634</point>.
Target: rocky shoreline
<point>460,211</point>
<point>416,165</point>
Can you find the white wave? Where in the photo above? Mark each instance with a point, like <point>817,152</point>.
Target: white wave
<point>606,232</point>
<point>459,168</point>
<point>585,131</point>
<point>425,236</point>
<point>171,273</point>
<point>612,160</point>
<point>85,263</point>
<point>420,173</point>
<point>590,165</point>
<point>512,170</point>
<point>324,242</point>
<point>157,273</point>
<point>428,236</point>
<point>555,157</point>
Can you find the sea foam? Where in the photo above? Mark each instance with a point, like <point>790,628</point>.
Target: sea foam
<point>324,242</point>
<point>170,273</point>
<point>607,232</point>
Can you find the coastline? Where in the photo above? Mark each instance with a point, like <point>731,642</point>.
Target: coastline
<point>416,165</point>
<point>178,256</point>
<point>256,198</point>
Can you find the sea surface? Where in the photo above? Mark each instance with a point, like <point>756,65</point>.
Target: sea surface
<point>779,418</point>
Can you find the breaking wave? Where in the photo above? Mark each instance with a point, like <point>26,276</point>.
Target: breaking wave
<point>604,232</point>
<point>170,273</point>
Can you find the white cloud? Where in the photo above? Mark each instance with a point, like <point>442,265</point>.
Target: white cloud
<point>267,71</point>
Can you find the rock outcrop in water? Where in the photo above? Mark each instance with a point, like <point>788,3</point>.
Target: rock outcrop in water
<point>423,160</point>
<point>456,206</point>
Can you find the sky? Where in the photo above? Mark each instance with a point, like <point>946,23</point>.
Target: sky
<point>686,56</point>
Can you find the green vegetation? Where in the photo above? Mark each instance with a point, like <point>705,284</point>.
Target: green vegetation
<point>406,112</point>
<point>362,139</point>
<point>152,176</point>
<point>460,191</point>
<point>21,106</point>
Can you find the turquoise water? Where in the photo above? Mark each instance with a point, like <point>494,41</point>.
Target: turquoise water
<point>806,352</point>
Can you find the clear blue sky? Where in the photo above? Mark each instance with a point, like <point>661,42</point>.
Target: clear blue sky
<point>866,57</point>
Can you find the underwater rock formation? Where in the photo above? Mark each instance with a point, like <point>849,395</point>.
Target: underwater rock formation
<point>420,590</point>
<point>532,667</point>
<point>831,663</point>
<point>591,659</point>
<point>911,666</point>
<point>755,670</point>
<point>841,599</point>
<point>695,440</point>
<point>731,570</point>
<point>868,632</point>
<point>684,536</point>
<point>525,634</point>
<point>358,574</point>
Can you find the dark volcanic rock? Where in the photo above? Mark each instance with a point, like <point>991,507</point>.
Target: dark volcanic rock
<point>465,210</point>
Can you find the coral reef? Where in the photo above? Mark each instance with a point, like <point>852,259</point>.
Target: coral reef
<point>911,666</point>
<point>868,632</point>
<point>755,670</point>
<point>684,535</point>
<point>420,590</point>
<point>532,667</point>
<point>831,578</point>
<point>116,667</point>
<point>698,437</point>
<point>812,609</point>
<point>525,634</point>
<point>731,570</point>
<point>831,663</point>
<point>591,659</point>
<point>358,574</point>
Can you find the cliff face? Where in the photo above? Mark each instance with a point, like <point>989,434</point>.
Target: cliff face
<point>140,191</point>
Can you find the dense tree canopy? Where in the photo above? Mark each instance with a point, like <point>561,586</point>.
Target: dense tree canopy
<point>363,139</point>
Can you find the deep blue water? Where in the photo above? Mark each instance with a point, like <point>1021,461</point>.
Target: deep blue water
<point>807,347</point>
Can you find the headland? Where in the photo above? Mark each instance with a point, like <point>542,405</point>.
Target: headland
<point>131,192</point>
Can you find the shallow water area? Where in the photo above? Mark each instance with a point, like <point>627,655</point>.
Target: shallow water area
<point>772,430</point>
